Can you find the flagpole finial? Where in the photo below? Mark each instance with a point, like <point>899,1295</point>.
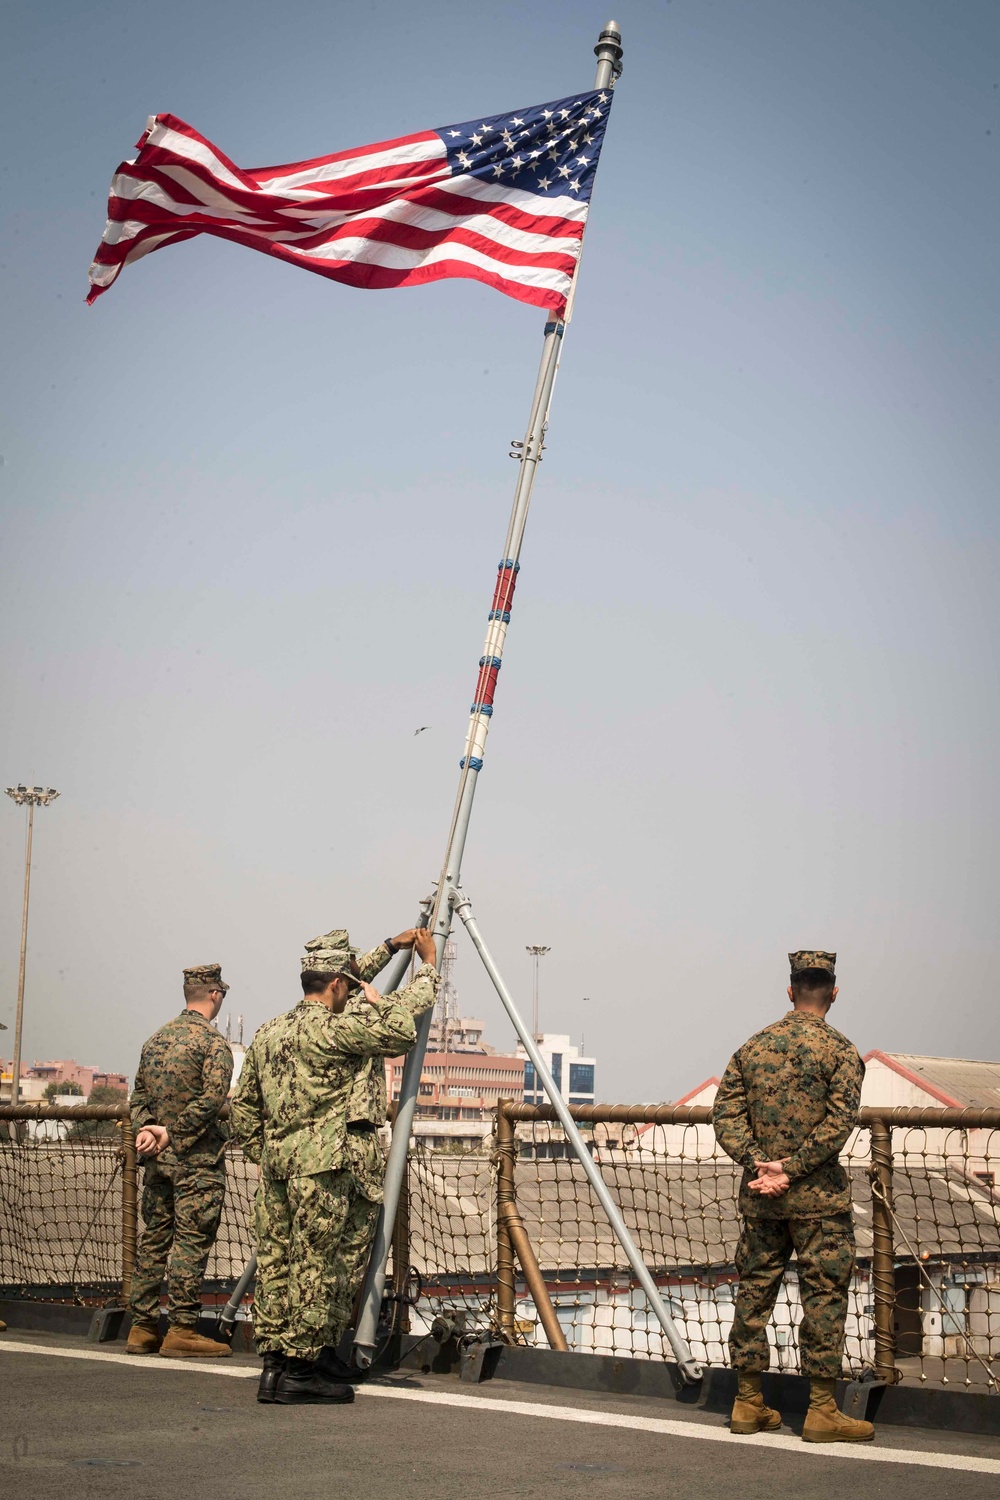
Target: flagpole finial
<point>609,55</point>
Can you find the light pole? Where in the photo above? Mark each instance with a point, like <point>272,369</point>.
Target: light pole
<point>34,796</point>
<point>537,951</point>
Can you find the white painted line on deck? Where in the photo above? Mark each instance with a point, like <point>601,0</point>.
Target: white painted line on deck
<point>218,1366</point>
<point>766,1443</point>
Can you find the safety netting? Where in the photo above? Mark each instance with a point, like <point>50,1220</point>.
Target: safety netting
<point>62,1234</point>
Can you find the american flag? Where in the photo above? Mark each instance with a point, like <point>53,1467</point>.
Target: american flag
<point>502,200</point>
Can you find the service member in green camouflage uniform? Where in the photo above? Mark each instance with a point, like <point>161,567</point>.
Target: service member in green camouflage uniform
<point>185,1073</point>
<point>304,1112</point>
<point>786,1105</point>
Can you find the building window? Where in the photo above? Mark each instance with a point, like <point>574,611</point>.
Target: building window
<point>556,1070</point>
<point>581,1078</point>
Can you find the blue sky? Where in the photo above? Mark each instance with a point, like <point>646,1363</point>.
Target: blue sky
<point>251,522</point>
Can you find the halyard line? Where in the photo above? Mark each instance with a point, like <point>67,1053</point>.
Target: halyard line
<point>663,1426</point>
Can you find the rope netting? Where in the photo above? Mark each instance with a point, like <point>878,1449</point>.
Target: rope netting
<point>61,1217</point>
<point>61,1235</point>
<point>678,1195</point>
<point>946,1227</point>
<point>452,1208</point>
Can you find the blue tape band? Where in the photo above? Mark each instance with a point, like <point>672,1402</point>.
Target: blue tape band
<point>490,661</point>
<point>500,614</point>
<point>475,764</point>
<point>508,563</point>
<point>486,709</point>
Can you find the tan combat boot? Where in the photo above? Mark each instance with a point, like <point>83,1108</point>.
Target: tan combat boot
<point>185,1343</point>
<point>825,1424</point>
<point>143,1340</point>
<point>749,1414</point>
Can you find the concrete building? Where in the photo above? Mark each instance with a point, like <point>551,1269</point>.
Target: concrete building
<point>891,1079</point>
<point>458,1095</point>
<point>31,1091</point>
<point>572,1073</point>
<point>36,1078</point>
<point>462,1077</point>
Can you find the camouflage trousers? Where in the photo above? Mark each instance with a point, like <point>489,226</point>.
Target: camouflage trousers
<point>181,1208</point>
<point>824,1251</point>
<point>313,1235</point>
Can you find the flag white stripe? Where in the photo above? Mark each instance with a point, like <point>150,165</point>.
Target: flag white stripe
<point>143,247</point>
<point>182,145</point>
<point>418,216</point>
<point>367,252</point>
<point>531,203</point>
<point>145,190</point>
<point>310,179</point>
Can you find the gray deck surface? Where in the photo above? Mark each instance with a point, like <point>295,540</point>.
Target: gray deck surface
<point>113,1427</point>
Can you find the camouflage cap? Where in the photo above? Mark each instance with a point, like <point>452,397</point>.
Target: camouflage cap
<point>812,958</point>
<point>209,975</point>
<point>330,953</point>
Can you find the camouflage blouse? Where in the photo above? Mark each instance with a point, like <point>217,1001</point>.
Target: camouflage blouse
<point>184,1076</point>
<point>295,1094</point>
<point>792,1093</point>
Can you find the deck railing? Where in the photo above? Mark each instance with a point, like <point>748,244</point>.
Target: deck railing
<point>511,1237</point>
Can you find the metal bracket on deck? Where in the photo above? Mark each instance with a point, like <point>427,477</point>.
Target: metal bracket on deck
<point>105,1325</point>
<point>859,1394</point>
<point>478,1355</point>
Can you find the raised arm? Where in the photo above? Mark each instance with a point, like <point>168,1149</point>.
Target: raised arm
<point>731,1117</point>
<point>370,964</point>
<point>827,1138</point>
<point>373,962</point>
<point>420,993</point>
<point>418,996</point>
<point>377,1028</point>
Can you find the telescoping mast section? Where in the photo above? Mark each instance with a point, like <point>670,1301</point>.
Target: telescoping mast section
<point>449,896</point>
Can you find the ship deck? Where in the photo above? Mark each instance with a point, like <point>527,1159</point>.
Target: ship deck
<point>90,1420</point>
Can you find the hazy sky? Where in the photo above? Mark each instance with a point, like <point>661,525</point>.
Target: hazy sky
<point>252,521</point>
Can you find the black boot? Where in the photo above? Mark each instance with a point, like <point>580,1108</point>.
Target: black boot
<point>334,1368</point>
<point>302,1382</point>
<point>274,1363</point>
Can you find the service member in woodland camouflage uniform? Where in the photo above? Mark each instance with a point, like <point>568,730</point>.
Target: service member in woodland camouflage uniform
<point>306,1111</point>
<point>786,1105</point>
<point>184,1077</point>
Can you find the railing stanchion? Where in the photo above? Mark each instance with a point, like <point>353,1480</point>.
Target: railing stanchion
<point>506,1293</point>
<point>130,1208</point>
<point>883,1252</point>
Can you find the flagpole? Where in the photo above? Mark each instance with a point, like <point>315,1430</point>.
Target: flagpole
<point>608,52</point>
